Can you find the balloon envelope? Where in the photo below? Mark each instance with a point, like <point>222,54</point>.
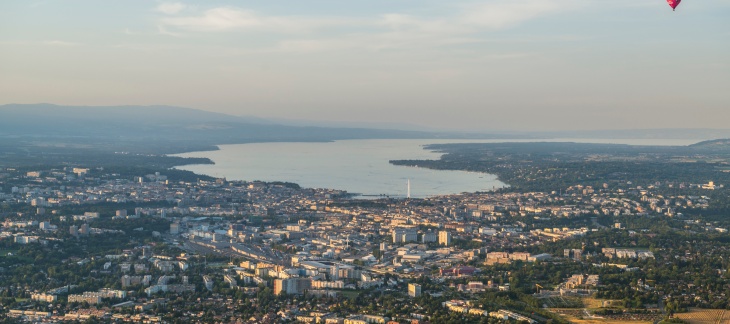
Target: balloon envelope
<point>673,3</point>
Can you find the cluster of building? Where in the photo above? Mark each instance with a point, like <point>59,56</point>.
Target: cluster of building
<point>467,307</point>
<point>95,297</point>
<point>504,257</point>
<point>308,241</point>
<point>627,253</point>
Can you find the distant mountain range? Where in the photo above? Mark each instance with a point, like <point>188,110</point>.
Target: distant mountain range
<point>698,134</point>
<point>176,125</point>
<point>180,129</point>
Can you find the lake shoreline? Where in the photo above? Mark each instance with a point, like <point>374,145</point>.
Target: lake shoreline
<point>355,166</point>
<point>339,161</point>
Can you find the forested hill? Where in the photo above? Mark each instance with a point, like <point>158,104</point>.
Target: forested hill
<point>550,166</point>
<point>723,144</point>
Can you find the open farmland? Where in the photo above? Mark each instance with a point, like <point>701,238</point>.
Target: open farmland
<point>585,315</point>
<point>582,317</point>
<point>702,316</point>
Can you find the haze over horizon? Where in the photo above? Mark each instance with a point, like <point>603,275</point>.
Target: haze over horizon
<point>469,65</point>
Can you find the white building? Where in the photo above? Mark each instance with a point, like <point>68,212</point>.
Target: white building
<point>429,237</point>
<point>405,235</point>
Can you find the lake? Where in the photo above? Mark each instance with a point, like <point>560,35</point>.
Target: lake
<point>360,166</point>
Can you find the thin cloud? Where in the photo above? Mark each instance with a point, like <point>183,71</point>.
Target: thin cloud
<point>163,31</point>
<point>171,8</point>
<point>60,43</point>
<point>401,22</point>
<point>385,31</point>
<point>148,47</point>
<point>493,15</point>
<point>223,19</point>
<point>217,19</point>
<point>505,14</point>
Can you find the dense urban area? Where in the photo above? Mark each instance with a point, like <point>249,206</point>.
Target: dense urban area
<point>584,232</point>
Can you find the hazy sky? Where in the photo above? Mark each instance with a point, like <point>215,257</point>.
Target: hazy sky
<point>492,64</point>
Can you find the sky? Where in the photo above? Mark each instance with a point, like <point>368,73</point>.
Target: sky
<point>467,65</point>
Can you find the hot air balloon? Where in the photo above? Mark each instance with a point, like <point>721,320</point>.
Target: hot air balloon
<point>673,3</point>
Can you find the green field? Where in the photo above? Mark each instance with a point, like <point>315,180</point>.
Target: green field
<point>562,302</point>
<point>349,294</point>
<point>15,257</point>
<point>4,253</point>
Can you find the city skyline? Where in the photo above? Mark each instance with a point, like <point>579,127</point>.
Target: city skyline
<point>344,162</point>
<point>472,65</point>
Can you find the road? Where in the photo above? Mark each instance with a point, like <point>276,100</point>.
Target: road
<point>253,253</point>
